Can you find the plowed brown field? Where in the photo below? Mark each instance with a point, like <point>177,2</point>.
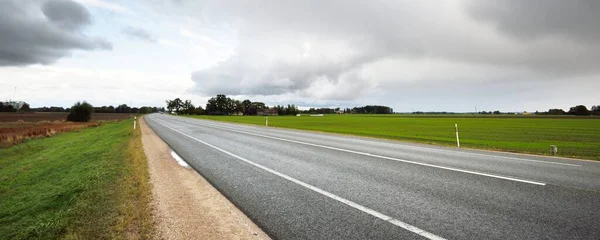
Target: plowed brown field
<point>16,127</point>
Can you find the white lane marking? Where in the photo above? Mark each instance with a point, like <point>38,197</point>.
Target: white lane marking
<point>179,159</point>
<point>325,193</point>
<point>467,153</point>
<point>388,158</point>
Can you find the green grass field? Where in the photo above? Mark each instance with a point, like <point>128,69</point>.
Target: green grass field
<point>91,184</point>
<point>577,137</point>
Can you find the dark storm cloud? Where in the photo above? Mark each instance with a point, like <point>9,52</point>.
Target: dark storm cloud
<point>577,19</point>
<point>138,33</point>
<point>550,36</point>
<point>66,14</point>
<point>43,31</point>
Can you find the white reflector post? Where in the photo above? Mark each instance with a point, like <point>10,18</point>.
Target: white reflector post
<point>457,141</point>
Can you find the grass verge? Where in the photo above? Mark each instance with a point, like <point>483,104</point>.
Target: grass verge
<point>577,137</point>
<point>91,184</point>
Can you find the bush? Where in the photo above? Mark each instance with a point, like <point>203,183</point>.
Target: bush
<point>80,112</point>
<point>579,110</point>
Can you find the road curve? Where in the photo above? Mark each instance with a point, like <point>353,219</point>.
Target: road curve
<point>305,185</point>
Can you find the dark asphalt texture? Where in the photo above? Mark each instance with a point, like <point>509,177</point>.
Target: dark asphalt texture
<point>447,203</point>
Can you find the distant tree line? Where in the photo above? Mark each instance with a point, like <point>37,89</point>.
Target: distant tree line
<point>6,108</point>
<point>369,109</point>
<point>290,109</point>
<point>490,112</point>
<point>51,109</point>
<point>82,111</point>
<point>183,107</point>
<point>372,109</point>
<point>223,105</point>
<point>10,107</point>
<point>579,110</point>
<point>322,111</point>
<point>444,112</point>
<point>123,108</point>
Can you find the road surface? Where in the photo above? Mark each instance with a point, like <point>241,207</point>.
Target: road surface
<point>306,185</point>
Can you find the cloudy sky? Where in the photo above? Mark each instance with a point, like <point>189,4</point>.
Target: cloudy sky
<point>427,55</point>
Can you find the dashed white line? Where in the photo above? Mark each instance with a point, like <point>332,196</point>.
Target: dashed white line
<point>352,204</point>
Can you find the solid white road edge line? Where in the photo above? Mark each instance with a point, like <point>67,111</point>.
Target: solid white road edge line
<point>389,158</point>
<point>466,153</point>
<point>323,192</point>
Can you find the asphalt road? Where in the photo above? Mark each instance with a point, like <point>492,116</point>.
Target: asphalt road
<point>306,185</point>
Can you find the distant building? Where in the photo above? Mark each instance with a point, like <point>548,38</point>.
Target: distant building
<point>339,112</point>
<point>524,113</point>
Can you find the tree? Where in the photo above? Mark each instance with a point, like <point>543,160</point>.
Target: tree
<point>199,111</point>
<point>247,105</point>
<point>259,105</point>
<point>556,111</point>
<point>7,108</point>
<point>187,107</point>
<point>123,108</point>
<point>596,110</point>
<point>80,112</point>
<point>145,110</point>
<point>222,105</point>
<point>579,110</point>
<point>239,107</point>
<point>291,110</point>
<point>169,105</point>
<point>175,104</point>
<point>212,108</point>
<point>104,109</point>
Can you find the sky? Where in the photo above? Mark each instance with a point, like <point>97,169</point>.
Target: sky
<point>427,55</point>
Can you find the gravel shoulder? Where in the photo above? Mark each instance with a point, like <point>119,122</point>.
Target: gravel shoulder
<point>185,205</point>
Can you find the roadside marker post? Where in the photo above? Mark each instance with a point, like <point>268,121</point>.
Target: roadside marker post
<point>266,121</point>
<point>457,141</point>
<point>134,122</point>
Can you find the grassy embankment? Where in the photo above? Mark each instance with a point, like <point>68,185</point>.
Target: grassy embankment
<point>574,136</point>
<point>91,184</point>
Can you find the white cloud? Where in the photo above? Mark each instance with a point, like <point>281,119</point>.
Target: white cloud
<point>49,85</point>
<point>168,42</point>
